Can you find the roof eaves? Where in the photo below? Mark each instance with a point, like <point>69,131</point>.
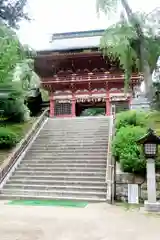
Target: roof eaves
<point>79,34</point>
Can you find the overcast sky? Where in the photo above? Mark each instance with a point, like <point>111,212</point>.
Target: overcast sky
<point>50,16</point>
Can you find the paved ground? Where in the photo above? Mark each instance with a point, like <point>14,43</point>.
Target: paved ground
<point>95,222</point>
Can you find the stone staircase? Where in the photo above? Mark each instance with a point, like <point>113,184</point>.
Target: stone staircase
<point>67,160</point>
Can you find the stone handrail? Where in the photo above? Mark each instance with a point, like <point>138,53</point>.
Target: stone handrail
<point>21,146</point>
<point>110,164</point>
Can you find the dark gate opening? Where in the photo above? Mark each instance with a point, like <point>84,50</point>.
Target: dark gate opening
<point>90,109</point>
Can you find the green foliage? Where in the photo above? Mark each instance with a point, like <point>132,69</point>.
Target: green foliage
<point>25,75</point>
<point>130,126</point>
<point>116,43</point>
<point>126,150</point>
<point>134,118</point>
<point>126,136</point>
<point>8,139</point>
<point>107,6</point>
<point>132,41</point>
<point>45,95</point>
<point>17,77</point>
<point>14,108</point>
<point>11,12</point>
<point>93,112</point>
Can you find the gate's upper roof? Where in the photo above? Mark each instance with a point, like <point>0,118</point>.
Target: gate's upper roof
<point>75,40</point>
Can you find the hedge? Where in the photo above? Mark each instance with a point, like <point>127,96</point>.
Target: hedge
<point>133,118</point>
<point>130,126</point>
<point>8,138</point>
<point>126,151</point>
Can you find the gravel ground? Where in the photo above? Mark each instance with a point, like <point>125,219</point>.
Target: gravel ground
<point>94,222</point>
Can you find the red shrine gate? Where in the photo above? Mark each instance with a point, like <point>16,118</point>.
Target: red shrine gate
<point>97,90</point>
<point>81,78</point>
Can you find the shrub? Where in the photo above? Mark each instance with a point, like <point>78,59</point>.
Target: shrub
<point>134,118</point>
<point>93,112</point>
<point>15,110</point>
<point>8,138</point>
<point>126,151</point>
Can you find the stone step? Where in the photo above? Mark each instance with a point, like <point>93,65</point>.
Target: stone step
<point>51,161</point>
<point>61,169</point>
<point>55,192</point>
<point>19,172</point>
<point>70,139</point>
<point>58,177</point>
<point>89,124</point>
<point>73,130</point>
<point>65,158</point>
<point>72,154</point>
<point>53,165</point>
<point>77,123</point>
<point>69,136</point>
<point>76,143</point>
<point>57,182</point>
<point>76,128</point>
<point>77,120</point>
<point>80,129</point>
<point>55,187</point>
<point>66,151</point>
<point>86,127</point>
<point>80,132</point>
<point>71,145</point>
<point>71,142</point>
<point>66,161</point>
<point>46,197</point>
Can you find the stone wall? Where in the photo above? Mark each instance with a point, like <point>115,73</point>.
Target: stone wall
<point>122,181</point>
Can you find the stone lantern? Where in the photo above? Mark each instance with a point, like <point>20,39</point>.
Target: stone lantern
<point>150,144</point>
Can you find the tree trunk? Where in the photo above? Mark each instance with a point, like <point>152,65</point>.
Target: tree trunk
<point>127,9</point>
<point>143,54</point>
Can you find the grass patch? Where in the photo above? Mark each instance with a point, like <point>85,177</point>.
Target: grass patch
<point>49,203</point>
<point>20,129</point>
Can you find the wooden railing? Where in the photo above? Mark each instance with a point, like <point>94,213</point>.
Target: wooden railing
<point>13,157</point>
<point>88,77</point>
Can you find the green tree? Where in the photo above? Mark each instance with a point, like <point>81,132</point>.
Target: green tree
<point>11,12</point>
<point>16,74</point>
<point>132,40</point>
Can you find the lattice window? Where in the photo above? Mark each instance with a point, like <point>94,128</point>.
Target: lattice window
<point>63,108</point>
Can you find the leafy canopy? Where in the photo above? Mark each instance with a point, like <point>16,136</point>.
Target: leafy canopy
<point>13,11</point>
<point>17,76</point>
<point>134,40</point>
<point>121,42</point>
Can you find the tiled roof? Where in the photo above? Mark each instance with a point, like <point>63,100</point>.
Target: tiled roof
<point>75,40</point>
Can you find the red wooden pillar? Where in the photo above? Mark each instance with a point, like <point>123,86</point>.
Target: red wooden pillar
<point>107,100</point>
<point>51,107</point>
<point>73,106</point>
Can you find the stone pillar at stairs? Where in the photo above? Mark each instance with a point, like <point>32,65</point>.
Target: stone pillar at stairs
<point>51,108</point>
<point>151,204</point>
<point>73,107</point>
<point>107,101</point>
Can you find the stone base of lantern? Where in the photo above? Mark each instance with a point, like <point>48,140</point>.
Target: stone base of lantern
<point>152,207</point>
